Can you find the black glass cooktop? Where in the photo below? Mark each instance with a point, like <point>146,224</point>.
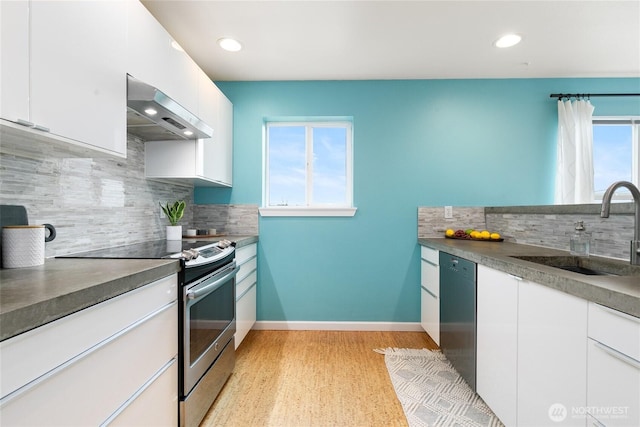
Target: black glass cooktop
<point>154,249</point>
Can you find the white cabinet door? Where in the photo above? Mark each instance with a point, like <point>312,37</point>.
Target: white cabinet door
<point>77,72</point>
<point>84,368</point>
<point>94,384</point>
<point>430,314</point>
<point>14,60</point>
<point>63,70</point>
<point>497,342</point>
<point>552,356</point>
<point>217,151</point>
<point>430,292</point>
<point>246,291</point>
<point>613,396</point>
<point>156,406</point>
<point>152,59</point>
<point>613,375</point>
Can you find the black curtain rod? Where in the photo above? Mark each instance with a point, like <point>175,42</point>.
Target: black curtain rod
<point>589,95</point>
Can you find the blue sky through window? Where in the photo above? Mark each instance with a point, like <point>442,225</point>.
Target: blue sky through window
<point>329,165</point>
<point>612,155</point>
<point>291,180</point>
<point>287,165</point>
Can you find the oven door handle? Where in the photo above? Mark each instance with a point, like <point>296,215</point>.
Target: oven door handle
<point>205,290</point>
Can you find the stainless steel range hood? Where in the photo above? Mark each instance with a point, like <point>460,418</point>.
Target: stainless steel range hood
<point>153,116</point>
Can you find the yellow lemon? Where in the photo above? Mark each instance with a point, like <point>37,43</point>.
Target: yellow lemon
<point>485,234</point>
<point>475,234</point>
<point>495,236</point>
<point>449,232</point>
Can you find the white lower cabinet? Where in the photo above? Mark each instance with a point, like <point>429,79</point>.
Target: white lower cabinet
<point>497,342</point>
<point>552,356</point>
<point>613,368</point>
<point>531,351</point>
<point>88,368</point>
<point>246,290</point>
<point>430,292</point>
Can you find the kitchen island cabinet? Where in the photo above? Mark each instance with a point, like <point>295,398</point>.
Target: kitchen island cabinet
<point>552,356</point>
<point>63,78</point>
<point>111,362</point>
<point>572,340</point>
<point>613,367</point>
<point>497,342</point>
<point>532,357</point>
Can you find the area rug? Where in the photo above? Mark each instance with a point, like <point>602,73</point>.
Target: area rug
<point>432,393</point>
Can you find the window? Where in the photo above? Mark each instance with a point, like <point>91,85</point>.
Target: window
<point>308,168</point>
<point>616,154</point>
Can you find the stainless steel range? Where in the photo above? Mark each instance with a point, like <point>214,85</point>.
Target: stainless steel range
<point>206,318</point>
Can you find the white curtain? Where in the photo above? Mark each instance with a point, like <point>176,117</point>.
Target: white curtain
<point>574,168</point>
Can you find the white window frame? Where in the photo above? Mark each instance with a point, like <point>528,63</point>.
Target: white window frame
<point>346,209</point>
<point>635,138</point>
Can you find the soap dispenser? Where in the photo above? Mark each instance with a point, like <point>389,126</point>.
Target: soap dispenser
<point>580,241</point>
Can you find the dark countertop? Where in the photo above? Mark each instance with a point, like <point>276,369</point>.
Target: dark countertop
<point>618,292</point>
<point>33,296</point>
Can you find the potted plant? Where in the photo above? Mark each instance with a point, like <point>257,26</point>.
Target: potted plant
<point>174,213</point>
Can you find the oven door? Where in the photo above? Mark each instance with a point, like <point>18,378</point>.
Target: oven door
<point>208,322</point>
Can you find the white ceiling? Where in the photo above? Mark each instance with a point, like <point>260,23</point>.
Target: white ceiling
<point>354,40</point>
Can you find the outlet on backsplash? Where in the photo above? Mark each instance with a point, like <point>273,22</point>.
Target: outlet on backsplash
<point>448,212</point>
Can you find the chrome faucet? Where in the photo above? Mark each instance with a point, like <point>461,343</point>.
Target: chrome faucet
<point>606,206</point>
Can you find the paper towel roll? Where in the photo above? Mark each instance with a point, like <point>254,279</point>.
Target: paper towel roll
<point>22,246</point>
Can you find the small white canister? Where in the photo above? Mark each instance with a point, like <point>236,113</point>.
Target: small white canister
<point>23,245</point>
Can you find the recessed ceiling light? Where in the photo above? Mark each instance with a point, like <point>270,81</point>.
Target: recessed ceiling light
<point>228,44</point>
<point>150,111</point>
<point>176,46</point>
<point>508,40</point>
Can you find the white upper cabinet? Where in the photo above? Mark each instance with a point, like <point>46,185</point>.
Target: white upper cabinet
<point>152,59</point>
<point>217,111</point>
<point>63,70</point>
<point>14,60</point>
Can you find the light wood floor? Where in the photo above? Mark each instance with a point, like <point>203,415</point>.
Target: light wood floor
<point>312,378</point>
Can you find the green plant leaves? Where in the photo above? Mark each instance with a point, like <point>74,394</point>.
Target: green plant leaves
<point>174,212</point>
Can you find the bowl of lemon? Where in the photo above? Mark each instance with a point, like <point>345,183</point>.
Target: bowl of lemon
<point>471,234</point>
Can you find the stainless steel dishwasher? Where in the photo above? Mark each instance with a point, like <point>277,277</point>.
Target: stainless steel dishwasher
<point>458,314</point>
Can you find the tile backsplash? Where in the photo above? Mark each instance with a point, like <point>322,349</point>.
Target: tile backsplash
<point>101,202</point>
<point>548,226</point>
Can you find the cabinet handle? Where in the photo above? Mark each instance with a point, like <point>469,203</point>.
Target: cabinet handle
<point>515,277</point>
<point>247,291</point>
<point>42,128</point>
<point>26,123</point>
<point>429,292</point>
<point>620,356</point>
<point>619,313</point>
<point>429,262</point>
<point>142,389</point>
<point>25,388</point>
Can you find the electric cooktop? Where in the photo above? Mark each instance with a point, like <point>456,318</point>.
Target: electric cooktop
<point>154,249</point>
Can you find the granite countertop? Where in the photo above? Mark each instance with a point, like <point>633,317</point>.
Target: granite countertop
<point>618,292</point>
<point>31,297</point>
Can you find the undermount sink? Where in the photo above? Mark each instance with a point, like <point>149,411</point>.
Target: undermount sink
<point>591,266</point>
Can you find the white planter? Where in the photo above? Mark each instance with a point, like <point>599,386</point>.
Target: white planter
<point>174,232</point>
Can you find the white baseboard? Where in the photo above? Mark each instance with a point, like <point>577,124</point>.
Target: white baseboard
<point>266,325</point>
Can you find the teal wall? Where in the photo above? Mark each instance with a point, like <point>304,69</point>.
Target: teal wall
<point>416,143</point>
